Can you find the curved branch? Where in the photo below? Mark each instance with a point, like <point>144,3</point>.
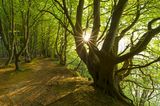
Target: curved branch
<point>151,22</point>
<point>55,16</point>
<point>139,84</point>
<point>143,42</point>
<point>101,38</point>
<point>38,16</point>
<point>66,12</point>
<point>143,66</point>
<point>133,23</point>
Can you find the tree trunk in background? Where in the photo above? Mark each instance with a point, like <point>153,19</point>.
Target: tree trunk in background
<point>27,55</point>
<point>61,47</point>
<point>8,45</point>
<point>34,50</point>
<point>26,39</point>
<point>144,97</point>
<point>10,55</point>
<point>13,45</point>
<point>16,58</point>
<point>27,34</point>
<point>62,53</point>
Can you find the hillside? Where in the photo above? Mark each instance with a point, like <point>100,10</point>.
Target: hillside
<point>44,83</point>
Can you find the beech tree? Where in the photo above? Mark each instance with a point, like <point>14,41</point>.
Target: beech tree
<point>103,62</point>
<point>99,29</point>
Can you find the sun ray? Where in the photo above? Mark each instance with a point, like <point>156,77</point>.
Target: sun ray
<point>86,37</point>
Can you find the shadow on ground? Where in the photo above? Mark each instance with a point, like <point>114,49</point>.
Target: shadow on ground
<point>43,83</point>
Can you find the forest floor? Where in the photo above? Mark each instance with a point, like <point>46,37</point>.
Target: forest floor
<point>44,83</point>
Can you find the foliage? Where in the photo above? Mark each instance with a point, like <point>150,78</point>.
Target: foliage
<point>124,39</point>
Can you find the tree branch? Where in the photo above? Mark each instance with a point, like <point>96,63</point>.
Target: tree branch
<point>66,13</point>
<point>139,84</point>
<point>143,42</point>
<point>133,23</point>
<point>143,66</point>
<point>36,18</point>
<point>80,48</point>
<point>55,16</point>
<point>96,21</point>
<point>110,36</point>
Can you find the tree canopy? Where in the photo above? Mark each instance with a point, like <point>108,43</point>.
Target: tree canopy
<point>117,41</point>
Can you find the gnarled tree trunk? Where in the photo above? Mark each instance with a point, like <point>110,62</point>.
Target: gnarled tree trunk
<point>105,78</point>
<point>102,62</point>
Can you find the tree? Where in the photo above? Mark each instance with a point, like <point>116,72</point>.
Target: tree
<point>142,85</point>
<point>25,24</point>
<point>98,28</point>
<point>17,25</point>
<point>103,62</point>
<point>7,28</point>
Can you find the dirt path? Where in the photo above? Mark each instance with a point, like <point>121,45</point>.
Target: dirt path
<point>40,83</point>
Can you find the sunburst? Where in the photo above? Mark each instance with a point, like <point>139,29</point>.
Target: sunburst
<point>86,37</point>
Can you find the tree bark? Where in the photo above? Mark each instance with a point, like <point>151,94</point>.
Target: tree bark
<point>16,58</point>
<point>104,77</point>
<point>10,54</point>
<point>102,64</point>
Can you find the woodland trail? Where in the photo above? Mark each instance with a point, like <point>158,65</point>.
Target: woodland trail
<point>45,83</point>
<point>39,84</point>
